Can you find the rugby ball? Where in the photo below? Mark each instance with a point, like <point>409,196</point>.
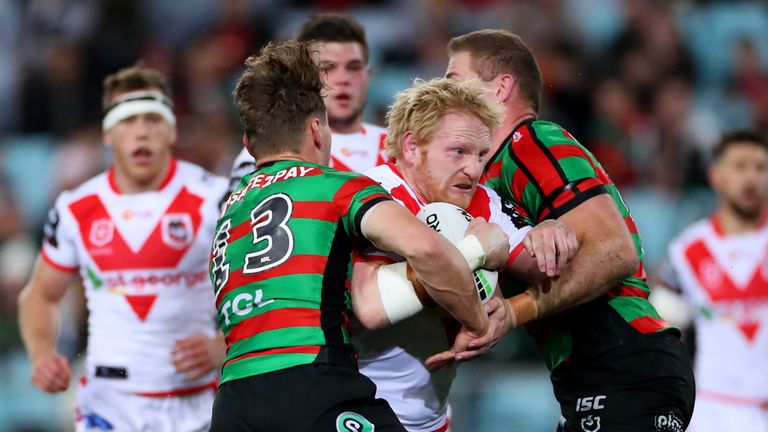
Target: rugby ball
<point>451,222</point>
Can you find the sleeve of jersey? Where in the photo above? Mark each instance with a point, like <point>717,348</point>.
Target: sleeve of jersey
<point>516,234</point>
<point>554,175</point>
<point>355,197</point>
<point>58,248</point>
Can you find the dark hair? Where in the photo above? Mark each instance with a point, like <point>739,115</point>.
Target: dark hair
<point>498,51</point>
<point>738,137</point>
<point>279,90</point>
<point>131,79</point>
<point>333,27</point>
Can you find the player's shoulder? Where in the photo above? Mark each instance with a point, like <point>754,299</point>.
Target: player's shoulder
<point>696,231</point>
<point>385,175</point>
<point>544,133</point>
<point>95,185</point>
<point>243,164</point>
<point>197,177</point>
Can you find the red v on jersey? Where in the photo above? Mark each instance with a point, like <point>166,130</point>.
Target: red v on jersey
<point>719,285</point>
<point>141,304</point>
<point>108,248</point>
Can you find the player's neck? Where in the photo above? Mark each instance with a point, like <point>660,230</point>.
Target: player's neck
<point>733,223</point>
<point>511,121</point>
<point>132,185</point>
<point>346,127</point>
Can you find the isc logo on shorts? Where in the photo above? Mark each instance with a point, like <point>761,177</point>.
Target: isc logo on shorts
<point>349,421</point>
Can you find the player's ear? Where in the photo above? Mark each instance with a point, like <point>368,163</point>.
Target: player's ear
<point>245,141</point>
<point>106,138</point>
<point>505,83</point>
<point>314,130</point>
<point>713,175</point>
<point>410,148</point>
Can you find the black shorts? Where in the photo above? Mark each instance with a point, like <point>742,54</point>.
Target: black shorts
<point>645,385</point>
<point>313,397</point>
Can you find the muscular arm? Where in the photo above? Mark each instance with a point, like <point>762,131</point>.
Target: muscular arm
<point>39,312</point>
<point>606,255</point>
<point>436,263</point>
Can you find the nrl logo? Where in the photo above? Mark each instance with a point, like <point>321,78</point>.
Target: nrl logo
<point>177,230</point>
<point>590,423</point>
<point>102,232</point>
<point>669,422</point>
<point>516,136</point>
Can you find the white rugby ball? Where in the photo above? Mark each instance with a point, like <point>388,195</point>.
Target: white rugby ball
<point>451,222</point>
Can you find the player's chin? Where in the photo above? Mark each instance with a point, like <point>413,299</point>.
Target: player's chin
<point>459,197</point>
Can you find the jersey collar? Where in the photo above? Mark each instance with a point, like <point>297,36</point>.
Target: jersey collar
<point>506,140</point>
<point>168,177</point>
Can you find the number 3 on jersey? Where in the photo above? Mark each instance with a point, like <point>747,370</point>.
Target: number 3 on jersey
<point>269,220</point>
<point>272,238</point>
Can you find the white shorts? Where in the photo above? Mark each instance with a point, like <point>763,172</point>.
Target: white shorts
<point>712,415</point>
<point>102,408</point>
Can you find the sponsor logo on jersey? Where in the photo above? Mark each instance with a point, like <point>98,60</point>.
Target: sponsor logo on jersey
<point>590,403</point>
<point>350,152</point>
<point>49,230</point>
<point>349,421</point>
<point>177,230</point>
<point>590,423</point>
<point>102,232</point>
<point>670,422</point>
<point>517,136</point>
<point>711,274</point>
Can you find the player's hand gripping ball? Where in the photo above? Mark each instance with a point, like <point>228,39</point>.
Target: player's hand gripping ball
<point>451,222</point>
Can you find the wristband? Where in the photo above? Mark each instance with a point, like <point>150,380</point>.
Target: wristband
<point>524,308</point>
<point>472,251</point>
<point>398,295</point>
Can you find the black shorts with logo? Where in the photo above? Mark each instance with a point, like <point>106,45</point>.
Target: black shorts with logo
<point>313,397</point>
<point>645,385</point>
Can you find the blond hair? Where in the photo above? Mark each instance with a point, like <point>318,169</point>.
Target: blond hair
<point>420,108</point>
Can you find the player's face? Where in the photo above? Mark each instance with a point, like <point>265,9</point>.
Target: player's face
<point>451,164</point>
<point>740,178</point>
<point>141,145</point>
<point>347,76</point>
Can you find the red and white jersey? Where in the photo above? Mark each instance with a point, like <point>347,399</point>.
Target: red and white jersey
<point>358,152</point>
<point>393,358</point>
<point>726,280</point>
<point>143,259</point>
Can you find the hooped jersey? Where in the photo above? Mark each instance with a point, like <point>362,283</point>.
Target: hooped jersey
<point>356,152</point>
<point>143,259</point>
<point>544,172</point>
<point>393,358</point>
<point>281,264</point>
<point>725,278</point>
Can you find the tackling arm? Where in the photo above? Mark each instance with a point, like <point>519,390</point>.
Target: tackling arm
<point>435,262</point>
<point>606,255</point>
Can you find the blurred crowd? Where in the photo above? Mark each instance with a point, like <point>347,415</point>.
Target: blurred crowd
<point>647,85</point>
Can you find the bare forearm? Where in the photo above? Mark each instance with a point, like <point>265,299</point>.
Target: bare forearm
<point>599,265</point>
<point>448,281</point>
<point>38,323</point>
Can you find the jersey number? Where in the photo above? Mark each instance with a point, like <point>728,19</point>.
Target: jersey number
<point>270,232</point>
<point>269,220</point>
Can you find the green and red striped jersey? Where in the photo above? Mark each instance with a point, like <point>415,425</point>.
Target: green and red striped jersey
<point>281,263</point>
<point>544,172</point>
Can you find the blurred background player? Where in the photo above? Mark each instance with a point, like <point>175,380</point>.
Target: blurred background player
<point>281,264</point>
<point>438,142</point>
<point>341,47</point>
<point>139,236</point>
<point>717,275</point>
<point>597,329</point>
